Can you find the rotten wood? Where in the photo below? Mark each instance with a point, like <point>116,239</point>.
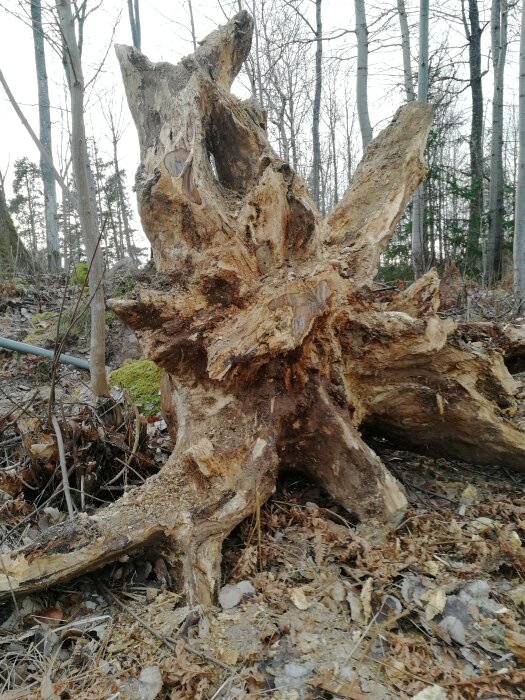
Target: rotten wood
<point>276,352</point>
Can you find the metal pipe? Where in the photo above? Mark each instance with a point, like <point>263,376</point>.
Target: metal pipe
<point>34,350</point>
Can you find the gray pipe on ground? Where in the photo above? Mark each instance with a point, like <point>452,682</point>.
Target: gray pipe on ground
<point>34,350</point>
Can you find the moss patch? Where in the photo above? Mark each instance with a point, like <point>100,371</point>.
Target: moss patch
<point>141,379</point>
<point>79,275</point>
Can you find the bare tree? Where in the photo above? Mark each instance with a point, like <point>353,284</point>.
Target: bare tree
<point>50,197</point>
<point>115,128</point>
<point>316,143</point>
<point>361,30</point>
<point>498,28</point>
<point>519,218</point>
<point>86,195</point>
<point>473,33</point>
<point>419,253</point>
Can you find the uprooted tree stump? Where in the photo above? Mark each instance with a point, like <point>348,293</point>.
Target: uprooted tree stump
<point>276,350</point>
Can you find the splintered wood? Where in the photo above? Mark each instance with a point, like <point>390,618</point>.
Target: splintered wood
<point>275,349</point>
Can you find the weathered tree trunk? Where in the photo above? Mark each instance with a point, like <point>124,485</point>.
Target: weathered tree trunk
<point>274,346</point>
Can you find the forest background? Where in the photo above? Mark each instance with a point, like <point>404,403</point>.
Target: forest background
<point>302,50</point>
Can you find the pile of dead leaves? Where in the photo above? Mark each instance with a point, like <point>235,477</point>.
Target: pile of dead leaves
<point>107,448</point>
<point>312,607</point>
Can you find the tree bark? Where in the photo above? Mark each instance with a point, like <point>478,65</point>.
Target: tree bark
<point>275,349</point>
<point>493,256</point>
<point>519,217</point>
<point>473,34</point>
<point>44,112</point>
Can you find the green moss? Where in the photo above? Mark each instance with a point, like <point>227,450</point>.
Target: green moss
<point>80,274</point>
<point>141,379</point>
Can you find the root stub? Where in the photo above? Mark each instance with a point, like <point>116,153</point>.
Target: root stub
<point>273,346</point>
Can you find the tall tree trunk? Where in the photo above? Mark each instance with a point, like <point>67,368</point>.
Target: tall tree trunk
<point>361,31</point>
<point>405,47</point>
<point>50,197</point>
<point>519,218</point>
<point>316,142</point>
<point>493,259</point>
<point>473,34</point>
<point>134,21</point>
<point>419,246</point>
<point>86,198</point>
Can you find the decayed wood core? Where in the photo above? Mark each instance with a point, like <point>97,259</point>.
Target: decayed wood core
<point>275,347</point>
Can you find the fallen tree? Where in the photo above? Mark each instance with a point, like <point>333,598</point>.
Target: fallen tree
<point>276,349</point>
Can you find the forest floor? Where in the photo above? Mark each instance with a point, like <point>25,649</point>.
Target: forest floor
<point>313,605</point>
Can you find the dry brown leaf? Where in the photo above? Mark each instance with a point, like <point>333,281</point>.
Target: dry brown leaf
<point>356,607</point>
<point>299,599</point>
<point>48,616</point>
<point>435,600</point>
<point>515,643</point>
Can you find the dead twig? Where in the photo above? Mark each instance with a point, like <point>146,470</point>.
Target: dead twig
<point>63,467</point>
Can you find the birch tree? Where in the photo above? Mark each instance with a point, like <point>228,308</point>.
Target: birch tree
<point>419,255</point>
<point>361,30</point>
<point>86,195</point>
<point>498,28</point>
<point>519,218</point>
<point>44,113</point>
